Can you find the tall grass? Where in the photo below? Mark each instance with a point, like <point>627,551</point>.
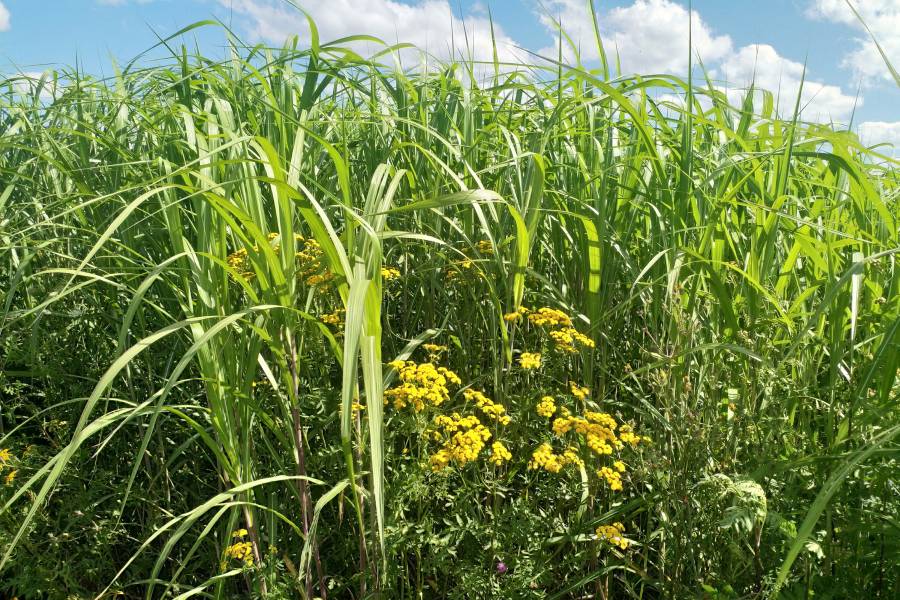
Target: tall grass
<point>735,267</point>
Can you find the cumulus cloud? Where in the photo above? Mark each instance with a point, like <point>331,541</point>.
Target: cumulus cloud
<point>882,18</point>
<point>648,35</point>
<point>762,65</point>
<point>881,132</point>
<point>428,24</point>
<point>4,18</point>
<point>651,36</point>
<point>28,82</point>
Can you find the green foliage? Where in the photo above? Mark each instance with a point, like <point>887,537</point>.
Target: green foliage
<point>206,269</point>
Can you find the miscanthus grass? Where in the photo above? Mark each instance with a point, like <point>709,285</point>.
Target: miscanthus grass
<point>300,323</point>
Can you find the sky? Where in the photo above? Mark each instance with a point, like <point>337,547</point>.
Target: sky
<point>737,40</point>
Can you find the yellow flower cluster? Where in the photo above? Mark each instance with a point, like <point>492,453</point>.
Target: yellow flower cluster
<point>613,478</point>
<point>530,360</point>
<point>458,267</point>
<point>389,273</point>
<point>434,348</point>
<point>5,457</point>
<point>485,247</point>
<point>571,457</point>
<point>466,439</point>
<point>309,263</point>
<point>499,453</point>
<point>546,407</point>
<point>334,318</point>
<point>515,316</point>
<point>613,534</point>
<point>240,550</point>
<point>597,429</point>
<point>629,437</point>
<point>568,339</point>
<point>420,384</point>
<point>550,317</point>
<point>545,458</point>
<point>238,261</point>
<point>578,391</point>
<point>490,408</point>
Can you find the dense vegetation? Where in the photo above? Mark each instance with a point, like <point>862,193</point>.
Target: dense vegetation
<point>646,348</point>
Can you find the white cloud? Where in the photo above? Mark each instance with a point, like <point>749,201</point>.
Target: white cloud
<point>877,132</point>
<point>882,18</point>
<point>4,18</point>
<point>26,83</point>
<point>428,24</point>
<point>770,71</point>
<point>649,36</point>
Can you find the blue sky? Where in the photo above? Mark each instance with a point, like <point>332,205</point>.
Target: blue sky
<point>737,39</point>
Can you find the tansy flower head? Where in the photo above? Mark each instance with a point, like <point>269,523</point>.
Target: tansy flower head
<point>530,360</point>
<point>578,391</point>
<point>242,551</point>
<point>546,407</point>
<point>613,478</point>
<point>544,458</point>
<point>389,273</point>
<point>499,453</point>
<point>613,534</point>
<point>515,315</point>
<point>550,317</point>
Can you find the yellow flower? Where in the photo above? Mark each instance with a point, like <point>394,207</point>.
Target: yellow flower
<point>485,247</point>
<point>613,478</point>
<point>334,318</point>
<point>578,391</point>
<point>5,455</point>
<point>628,437</point>
<point>389,273</point>
<point>568,338</point>
<point>546,407</point>
<point>11,476</point>
<point>241,551</point>
<point>550,317</point>
<point>571,457</point>
<point>562,425</point>
<point>499,453</point>
<point>619,466</point>
<point>420,385</point>
<point>530,360</point>
<point>612,534</point>
<point>544,458</point>
<point>239,533</point>
<point>515,315</point>
<point>466,437</point>
<point>490,408</point>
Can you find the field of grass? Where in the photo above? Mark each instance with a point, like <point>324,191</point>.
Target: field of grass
<point>302,324</point>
